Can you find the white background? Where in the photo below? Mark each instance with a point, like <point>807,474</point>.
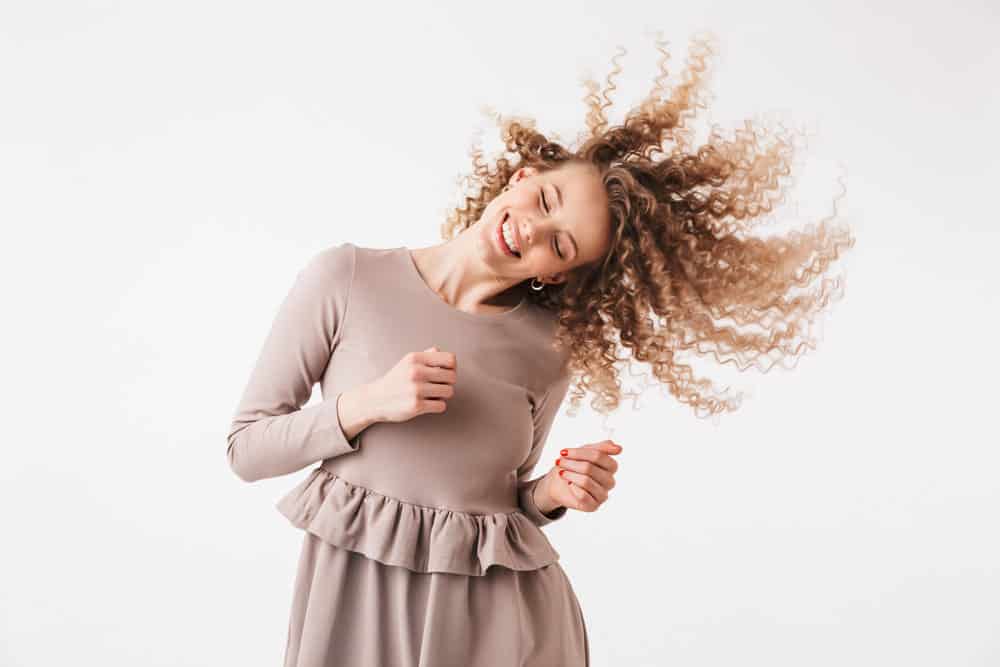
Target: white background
<point>166,168</point>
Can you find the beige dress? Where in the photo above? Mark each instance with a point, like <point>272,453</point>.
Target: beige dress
<point>422,545</point>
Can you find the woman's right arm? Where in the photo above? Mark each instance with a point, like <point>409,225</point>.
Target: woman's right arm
<point>271,433</point>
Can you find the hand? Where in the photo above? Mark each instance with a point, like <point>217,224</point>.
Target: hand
<point>587,475</point>
<point>419,383</point>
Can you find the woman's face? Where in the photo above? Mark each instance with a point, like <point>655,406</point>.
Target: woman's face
<point>557,220</point>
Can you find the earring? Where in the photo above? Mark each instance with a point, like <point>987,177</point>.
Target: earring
<point>540,287</point>
<point>505,188</point>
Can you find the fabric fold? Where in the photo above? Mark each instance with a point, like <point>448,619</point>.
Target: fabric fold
<point>419,538</point>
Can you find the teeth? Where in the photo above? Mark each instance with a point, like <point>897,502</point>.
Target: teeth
<point>508,236</point>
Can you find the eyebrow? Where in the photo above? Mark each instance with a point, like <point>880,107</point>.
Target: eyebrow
<point>576,248</point>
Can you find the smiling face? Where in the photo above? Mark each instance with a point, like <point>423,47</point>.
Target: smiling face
<point>556,220</point>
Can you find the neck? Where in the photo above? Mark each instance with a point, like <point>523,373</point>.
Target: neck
<point>453,270</point>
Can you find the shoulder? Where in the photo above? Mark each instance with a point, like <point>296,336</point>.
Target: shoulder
<point>328,273</point>
<point>347,256</point>
<point>336,260</point>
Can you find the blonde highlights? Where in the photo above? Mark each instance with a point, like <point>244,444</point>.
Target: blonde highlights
<point>682,260</point>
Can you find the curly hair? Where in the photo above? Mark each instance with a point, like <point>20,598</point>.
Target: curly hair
<point>681,260</point>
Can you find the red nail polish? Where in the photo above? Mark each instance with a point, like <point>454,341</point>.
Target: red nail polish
<point>563,452</point>
<point>561,472</point>
<point>557,461</point>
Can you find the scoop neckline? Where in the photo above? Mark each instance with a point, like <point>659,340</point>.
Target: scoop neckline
<point>411,263</point>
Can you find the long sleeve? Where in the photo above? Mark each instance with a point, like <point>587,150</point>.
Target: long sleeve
<point>271,434</point>
<point>543,414</point>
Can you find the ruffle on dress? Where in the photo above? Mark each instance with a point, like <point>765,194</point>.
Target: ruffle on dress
<point>423,539</point>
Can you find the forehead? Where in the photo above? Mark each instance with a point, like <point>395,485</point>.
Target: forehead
<point>585,207</point>
<point>580,184</point>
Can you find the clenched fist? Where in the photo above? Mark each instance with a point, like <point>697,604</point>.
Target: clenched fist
<point>581,477</point>
<point>419,383</point>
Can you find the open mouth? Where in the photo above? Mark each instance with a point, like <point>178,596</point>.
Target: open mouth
<point>505,235</point>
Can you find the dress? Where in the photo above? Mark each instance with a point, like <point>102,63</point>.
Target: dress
<point>422,544</point>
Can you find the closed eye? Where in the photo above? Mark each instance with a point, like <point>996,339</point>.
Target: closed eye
<point>555,242</point>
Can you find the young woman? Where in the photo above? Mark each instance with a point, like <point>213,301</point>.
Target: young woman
<point>443,368</point>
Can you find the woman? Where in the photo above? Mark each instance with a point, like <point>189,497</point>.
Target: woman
<point>443,368</point>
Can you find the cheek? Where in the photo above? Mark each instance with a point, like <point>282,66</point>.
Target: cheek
<point>487,218</point>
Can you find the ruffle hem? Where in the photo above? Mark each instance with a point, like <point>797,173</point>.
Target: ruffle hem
<point>422,539</point>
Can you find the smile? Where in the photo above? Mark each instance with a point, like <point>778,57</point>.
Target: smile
<point>506,239</point>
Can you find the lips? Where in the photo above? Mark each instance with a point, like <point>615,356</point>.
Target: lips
<point>498,234</point>
<point>516,236</point>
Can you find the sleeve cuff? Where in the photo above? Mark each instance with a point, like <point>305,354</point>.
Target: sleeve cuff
<point>526,499</point>
<point>334,440</point>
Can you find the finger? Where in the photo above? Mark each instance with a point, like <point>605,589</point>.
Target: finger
<point>436,374</point>
<point>597,492</point>
<point>607,446</point>
<point>587,500</point>
<point>596,454</point>
<point>433,357</point>
<point>603,477</point>
<point>584,500</point>
<point>435,390</point>
<point>432,405</point>
<point>594,449</point>
<point>599,460</point>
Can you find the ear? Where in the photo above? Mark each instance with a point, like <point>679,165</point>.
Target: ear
<point>554,279</point>
<point>523,172</point>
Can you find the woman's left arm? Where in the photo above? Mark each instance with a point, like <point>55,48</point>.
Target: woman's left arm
<point>542,415</point>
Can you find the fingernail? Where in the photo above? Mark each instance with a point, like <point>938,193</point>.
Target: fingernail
<point>563,452</point>
<point>561,472</point>
<point>557,461</point>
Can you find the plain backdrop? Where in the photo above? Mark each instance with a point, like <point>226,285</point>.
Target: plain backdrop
<point>167,167</point>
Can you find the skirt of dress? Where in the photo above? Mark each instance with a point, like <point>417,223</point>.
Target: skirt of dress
<point>349,610</point>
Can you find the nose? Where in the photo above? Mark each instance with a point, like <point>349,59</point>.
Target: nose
<point>529,228</point>
<point>525,234</point>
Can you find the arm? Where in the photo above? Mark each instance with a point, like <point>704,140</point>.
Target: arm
<point>543,415</point>
<point>271,434</point>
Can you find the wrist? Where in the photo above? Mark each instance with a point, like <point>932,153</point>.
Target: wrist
<point>542,497</point>
<point>353,411</point>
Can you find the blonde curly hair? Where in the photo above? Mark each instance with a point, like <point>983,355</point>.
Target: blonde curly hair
<point>680,259</point>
